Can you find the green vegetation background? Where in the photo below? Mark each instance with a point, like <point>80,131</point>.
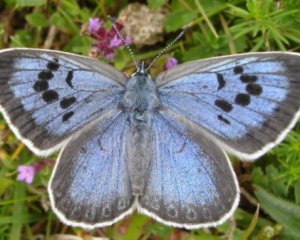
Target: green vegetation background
<point>218,27</point>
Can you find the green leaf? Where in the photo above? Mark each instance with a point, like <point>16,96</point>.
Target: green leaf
<point>211,47</point>
<point>18,210</point>
<point>78,44</point>
<point>259,178</point>
<point>284,212</point>
<point>297,192</point>
<point>30,3</point>
<point>5,183</point>
<point>200,235</point>
<point>10,3</point>
<point>21,219</point>
<point>156,3</point>
<point>2,34</point>
<point>252,225</point>
<point>69,21</point>
<point>57,20</point>
<point>244,218</point>
<point>239,12</point>
<point>37,20</point>
<point>136,227</point>
<point>279,187</point>
<point>122,58</point>
<point>213,6</point>
<point>179,18</point>
<point>71,7</point>
<point>22,38</point>
<point>134,230</point>
<point>159,230</point>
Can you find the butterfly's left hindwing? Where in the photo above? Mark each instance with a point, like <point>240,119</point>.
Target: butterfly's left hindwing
<point>46,96</point>
<point>247,102</point>
<point>90,185</point>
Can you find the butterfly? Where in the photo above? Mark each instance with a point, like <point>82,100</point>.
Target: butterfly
<point>156,146</point>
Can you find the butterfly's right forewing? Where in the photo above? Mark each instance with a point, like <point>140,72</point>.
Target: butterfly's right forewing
<point>247,102</point>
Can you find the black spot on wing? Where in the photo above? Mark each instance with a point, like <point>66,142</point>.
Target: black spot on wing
<point>277,109</point>
<point>221,81</point>
<point>53,65</point>
<point>254,89</point>
<point>69,79</point>
<point>225,106</point>
<point>50,96</point>
<point>248,78</point>
<point>40,85</point>
<point>67,116</point>
<point>67,102</point>
<point>242,99</point>
<point>45,75</point>
<point>221,118</point>
<point>238,70</point>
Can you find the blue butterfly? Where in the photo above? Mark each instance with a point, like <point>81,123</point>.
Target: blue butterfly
<point>153,146</point>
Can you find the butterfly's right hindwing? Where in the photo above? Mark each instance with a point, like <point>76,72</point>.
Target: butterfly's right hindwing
<point>190,180</point>
<point>46,96</point>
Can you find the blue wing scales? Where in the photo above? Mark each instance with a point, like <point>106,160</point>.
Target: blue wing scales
<point>46,96</point>
<point>191,183</point>
<point>90,186</point>
<point>248,102</point>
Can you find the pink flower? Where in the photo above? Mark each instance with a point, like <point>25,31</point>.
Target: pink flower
<point>110,56</point>
<point>106,41</point>
<point>26,173</point>
<point>128,39</point>
<point>172,62</point>
<point>94,24</point>
<point>115,42</point>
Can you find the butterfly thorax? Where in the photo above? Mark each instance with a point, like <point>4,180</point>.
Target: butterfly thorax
<point>140,102</point>
<point>140,97</point>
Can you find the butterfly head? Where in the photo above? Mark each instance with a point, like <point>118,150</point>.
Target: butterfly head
<point>141,70</point>
<point>142,67</point>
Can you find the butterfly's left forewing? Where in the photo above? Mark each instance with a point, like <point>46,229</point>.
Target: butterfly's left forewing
<point>90,186</point>
<point>46,96</point>
<point>246,102</point>
<point>190,181</point>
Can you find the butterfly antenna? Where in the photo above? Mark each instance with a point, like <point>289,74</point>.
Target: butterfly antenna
<point>123,40</point>
<point>167,47</point>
